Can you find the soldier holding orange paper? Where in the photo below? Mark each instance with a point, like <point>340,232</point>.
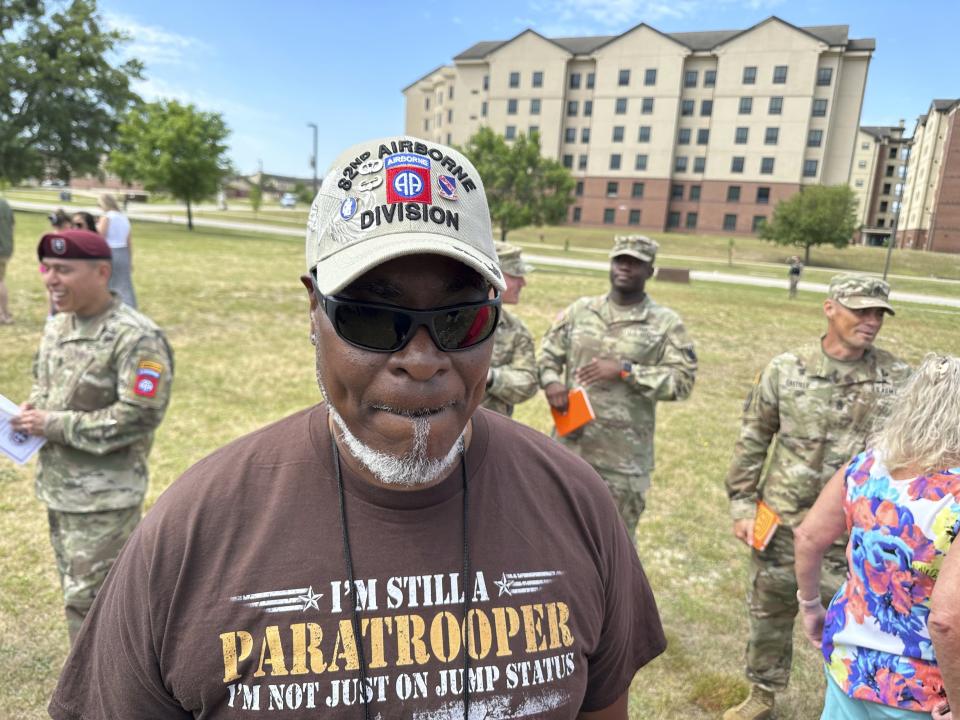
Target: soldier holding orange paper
<point>811,409</point>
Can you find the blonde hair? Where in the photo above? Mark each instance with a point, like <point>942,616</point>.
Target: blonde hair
<point>108,202</point>
<point>923,429</point>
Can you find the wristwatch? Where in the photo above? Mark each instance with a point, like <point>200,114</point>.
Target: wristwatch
<point>626,367</point>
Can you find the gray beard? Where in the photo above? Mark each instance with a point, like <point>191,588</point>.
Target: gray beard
<point>411,469</point>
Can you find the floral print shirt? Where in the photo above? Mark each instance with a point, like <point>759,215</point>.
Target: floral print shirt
<point>875,638</point>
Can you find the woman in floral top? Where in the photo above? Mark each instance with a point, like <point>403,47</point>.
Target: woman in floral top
<point>900,502</point>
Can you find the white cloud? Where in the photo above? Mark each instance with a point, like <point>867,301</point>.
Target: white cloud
<point>153,44</point>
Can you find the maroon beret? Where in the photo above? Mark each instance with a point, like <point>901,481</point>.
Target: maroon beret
<point>73,245</point>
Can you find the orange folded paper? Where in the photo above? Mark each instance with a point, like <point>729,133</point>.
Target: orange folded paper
<point>765,524</point>
<point>579,412</point>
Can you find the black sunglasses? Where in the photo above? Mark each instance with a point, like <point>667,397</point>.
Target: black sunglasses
<point>388,328</point>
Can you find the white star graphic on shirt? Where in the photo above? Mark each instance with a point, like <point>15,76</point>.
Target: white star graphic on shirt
<point>309,599</point>
<point>504,584</point>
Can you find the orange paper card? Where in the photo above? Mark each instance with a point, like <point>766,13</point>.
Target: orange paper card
<point>579,412</point>
<point>765,524</point>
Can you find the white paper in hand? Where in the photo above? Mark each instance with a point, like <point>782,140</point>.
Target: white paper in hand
<point>16,445</point>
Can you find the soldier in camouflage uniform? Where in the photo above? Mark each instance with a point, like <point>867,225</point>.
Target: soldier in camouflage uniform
<point>102,383</point>
<point>810,410</point>
<point>631,353</point>
<point>512,377</point>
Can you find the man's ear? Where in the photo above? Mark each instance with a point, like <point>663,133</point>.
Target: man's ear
<point>829,308</point>
<point>308,284</point>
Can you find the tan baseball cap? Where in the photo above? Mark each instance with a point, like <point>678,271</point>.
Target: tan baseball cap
<point>639,246</point>
<point>856,291</point>
<point>511,260</point>
<point>397,196</point>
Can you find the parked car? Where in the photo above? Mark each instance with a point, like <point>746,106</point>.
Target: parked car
<point>288,200</point>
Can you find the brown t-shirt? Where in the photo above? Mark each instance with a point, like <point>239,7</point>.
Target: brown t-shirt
<point>231,600</point>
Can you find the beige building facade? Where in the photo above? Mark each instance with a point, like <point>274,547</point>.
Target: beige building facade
<point>930,216</point>
<point>877,178</point>
<point>701,131</point>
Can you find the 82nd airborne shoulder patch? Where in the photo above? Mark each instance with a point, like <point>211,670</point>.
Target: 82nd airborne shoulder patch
<point>148,378</point>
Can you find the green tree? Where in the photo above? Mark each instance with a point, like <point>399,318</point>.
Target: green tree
<point>304,193</point>
<point>62,88</point>
<point>523,188</point>
<point>256,197</point>
<point>173,147</point>
<point>817,215</point>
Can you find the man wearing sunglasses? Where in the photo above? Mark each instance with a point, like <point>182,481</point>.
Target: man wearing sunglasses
<point>364,556</point>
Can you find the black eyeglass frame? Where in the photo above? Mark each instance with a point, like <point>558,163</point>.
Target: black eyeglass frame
<point>419,318</point>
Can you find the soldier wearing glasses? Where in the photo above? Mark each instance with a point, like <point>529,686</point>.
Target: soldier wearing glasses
<point>363,556</point>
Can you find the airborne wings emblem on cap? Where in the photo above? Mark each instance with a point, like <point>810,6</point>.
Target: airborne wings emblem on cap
<point>58,245</point>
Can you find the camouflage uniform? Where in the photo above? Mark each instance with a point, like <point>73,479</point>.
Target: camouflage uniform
<point>653,339</point>
<point>816,413</point>
<point>513,365</point>
<point>105,384</point>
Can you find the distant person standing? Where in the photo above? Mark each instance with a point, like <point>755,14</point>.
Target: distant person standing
<point>512,377</point>
<point>115,228</point>
<point>796,267</point>
<point>6,251</point>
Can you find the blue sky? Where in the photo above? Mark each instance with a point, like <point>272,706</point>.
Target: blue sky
<point>271,70</point>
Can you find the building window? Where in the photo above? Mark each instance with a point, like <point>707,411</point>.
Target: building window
<point>884,205</point>
<point>572,107</point>
<point>729,222</point>
<point>673,220</point>
<point>809,168</point>
<point>650,76</point>
<point>776,105</point>
<point>609,216</point>
<point>587,108</point>
<point>582,162</point>
<point>450,115</point>
<point>690,79</point>
<point>486,82</point>
<point>483,108</point>
<point>576,214</point>
<point>570,135</point>
<point>533,130</point>
<point>634,217</point>
<point>706,108</point>
<point>862,164</point>
<point>746,105</point>
<point>680,164</point>
<point>750,75</point>
<point>780,75</point>
<point>687,107</point>
<point>637,190</point>
<point>886,189</point>
<point>741,135</point>
<point>620,106</point>
<point>865,146</point>
<point>771,136</point>
<point>450,92</point>
<point>699,164</point>
<point>535,106</point>
<point>641,162</point>
<point>709,78</point>
<point>858,183</point>
<point>591,78</point>
<point>584,135</point>
<point>514,79</point>
<point>613,189</point>
<point>890,170</point>
<point>578,191</point>
<point>510,132</point>
<point>644,135</point>
<point>766,166</point>
<point>538,78</point>
<point>676,192</point>
<point>691,220</point>
<point>703,136</point>
<point>758,220</point>
<point>615,161</point>
<point>623,79</point>
<point>892,155</point>
<point>426,124</point>
<point>881,222</point>
<point>736,165</point>
<point>426,103</point>
<point>574,81</point>
<point>763,195</point>
<point>683,136</point>
<point>511,107</point>
<point>568,162</point>
<point>449,139</point>
<point>733,193</point>
<point>646,106</point>
<point>819,107</point>
<point>814,138</point>
<point>824,76</point>
<point>618,133</point>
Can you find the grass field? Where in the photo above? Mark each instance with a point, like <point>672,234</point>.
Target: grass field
<point>235,314</point>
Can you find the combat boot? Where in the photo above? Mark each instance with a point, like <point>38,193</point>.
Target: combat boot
<point>757,706</point>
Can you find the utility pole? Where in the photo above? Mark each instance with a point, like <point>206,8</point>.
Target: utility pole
<point>313,158</point>
<point>896,217</point>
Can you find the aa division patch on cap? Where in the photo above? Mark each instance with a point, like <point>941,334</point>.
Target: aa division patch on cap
<point>408,178</point>
<point>148,378</point>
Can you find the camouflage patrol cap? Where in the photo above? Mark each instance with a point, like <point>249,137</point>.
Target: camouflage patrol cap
<point>511,260</point>
<point>638,246</point>
<point>397,196</point>
<point>856,291</point>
